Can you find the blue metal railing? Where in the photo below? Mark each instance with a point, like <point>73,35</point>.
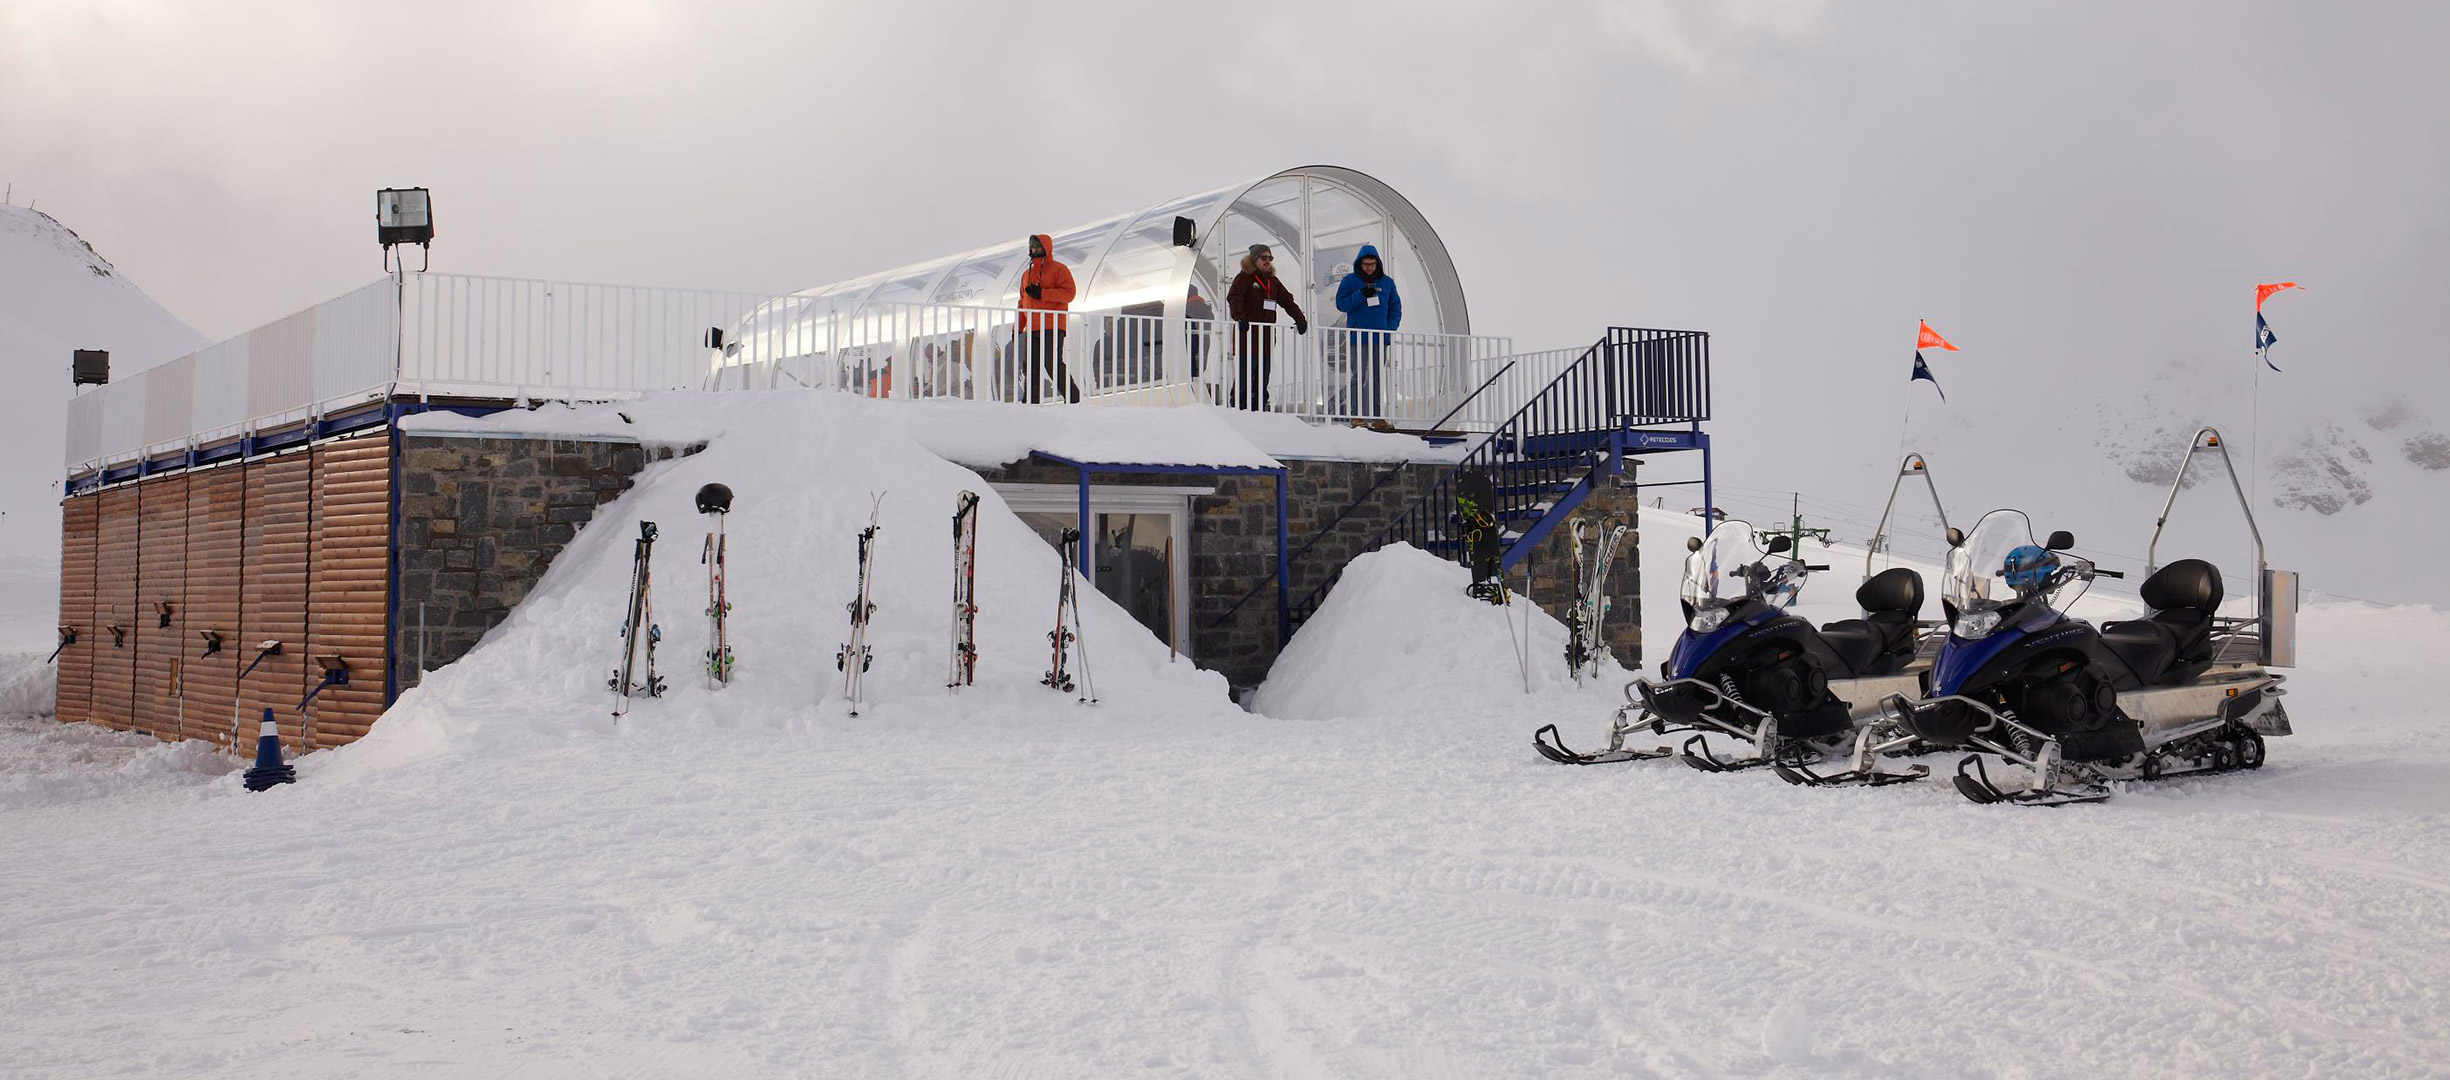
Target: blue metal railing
<point>1548,456</point>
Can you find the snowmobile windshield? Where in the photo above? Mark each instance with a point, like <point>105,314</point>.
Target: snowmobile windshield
<point>1730,565</point>
<point>1998,564</point>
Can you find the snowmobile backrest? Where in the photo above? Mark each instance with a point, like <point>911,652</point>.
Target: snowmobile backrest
<point>1896,589</point>
<point>2187,584</point>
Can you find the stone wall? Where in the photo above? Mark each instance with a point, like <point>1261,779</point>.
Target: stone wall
<point>1233,549</point>
<point>480,520</point>
<point>1233,543</point>
<point>1551,567</point>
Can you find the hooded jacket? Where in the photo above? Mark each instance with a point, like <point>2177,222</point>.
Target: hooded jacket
<point>1055,288</point>
<point>1360,313</point>
<point>1248,298</point>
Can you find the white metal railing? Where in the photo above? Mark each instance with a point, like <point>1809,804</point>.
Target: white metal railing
<point>1513,380</point>
<point>1001,354</point>
<point>451,335</point>
<point>469,336</point>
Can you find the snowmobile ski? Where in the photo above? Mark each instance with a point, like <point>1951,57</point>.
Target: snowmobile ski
<point>965,590</point>
<point>639,634</point>
<point>715,501</point>
<point>1067,631</point>
<point>854,656</point>
<point>1554,749</point>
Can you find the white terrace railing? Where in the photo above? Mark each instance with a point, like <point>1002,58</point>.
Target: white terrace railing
<point>917,351</point>
<point>448,336</point>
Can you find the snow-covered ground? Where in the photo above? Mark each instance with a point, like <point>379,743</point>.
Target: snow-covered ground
<point>1006,883</point>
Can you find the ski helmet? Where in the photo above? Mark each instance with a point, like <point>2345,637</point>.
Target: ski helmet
<point>714,499</point>
<point>2028,567</point>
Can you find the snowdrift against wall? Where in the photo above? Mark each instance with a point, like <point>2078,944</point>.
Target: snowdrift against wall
<point>804,467</point>
<point>1399,637</point>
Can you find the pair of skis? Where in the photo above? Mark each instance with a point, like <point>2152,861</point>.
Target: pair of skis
<point>639,634</point>
<point>1583,643</point>
<point>855,655</point>
<point>1067,632</point>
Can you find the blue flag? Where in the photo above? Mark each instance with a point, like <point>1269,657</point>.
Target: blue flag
<point>1923,371</point>
<point>2263,338</point>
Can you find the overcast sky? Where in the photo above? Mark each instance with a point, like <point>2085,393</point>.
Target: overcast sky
<point>2073,192</point>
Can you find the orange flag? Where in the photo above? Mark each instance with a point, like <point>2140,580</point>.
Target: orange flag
<point>1928,338</point>
<point>2263,292</point>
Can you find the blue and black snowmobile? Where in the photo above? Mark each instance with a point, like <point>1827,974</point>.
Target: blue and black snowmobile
<point>1747,669</point>
<point>2180,690</point>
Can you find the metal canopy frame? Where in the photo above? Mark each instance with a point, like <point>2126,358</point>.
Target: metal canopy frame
<point>2276,627</point>
<point>1284,566</point>
<point>1913,465</point>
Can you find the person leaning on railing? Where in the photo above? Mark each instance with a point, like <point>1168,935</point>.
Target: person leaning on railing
<point>1045,286</point>
<point>1370,304</point>
<point>1252,301</point>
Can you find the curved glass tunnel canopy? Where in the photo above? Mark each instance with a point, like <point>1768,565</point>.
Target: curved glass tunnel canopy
<point>1315,217</point>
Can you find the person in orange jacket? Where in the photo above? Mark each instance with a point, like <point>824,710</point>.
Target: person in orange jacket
<point>1045,286</point>
<point>1252,301</point>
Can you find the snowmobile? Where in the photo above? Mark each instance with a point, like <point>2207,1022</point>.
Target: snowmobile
<point>1746,668</point>
<point>2181,690</point>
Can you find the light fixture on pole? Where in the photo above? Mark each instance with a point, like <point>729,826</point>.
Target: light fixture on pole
<point>404,216</point>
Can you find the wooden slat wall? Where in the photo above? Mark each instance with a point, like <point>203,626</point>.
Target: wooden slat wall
<point>216,528</point>
<point>114,604</point>
<point>346,604</point>
<point>75,702</point>
<point>272,597</point>
<point>161,573</point>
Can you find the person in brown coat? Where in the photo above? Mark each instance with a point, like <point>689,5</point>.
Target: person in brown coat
<point>1252,301</point>
<point>1045,287</point>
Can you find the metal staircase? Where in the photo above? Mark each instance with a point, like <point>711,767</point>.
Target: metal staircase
<point>1571,437</point>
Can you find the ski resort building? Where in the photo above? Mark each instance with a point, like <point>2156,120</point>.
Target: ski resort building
<point>309,516</point>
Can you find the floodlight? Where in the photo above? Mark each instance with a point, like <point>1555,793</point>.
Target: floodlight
<point>90,367</point>
<point>1183,232</point>
<point>404,216</point>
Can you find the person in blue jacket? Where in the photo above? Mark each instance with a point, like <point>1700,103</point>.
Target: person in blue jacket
<point>1368,299</point>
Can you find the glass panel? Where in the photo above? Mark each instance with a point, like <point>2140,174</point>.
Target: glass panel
<point>1333,210</point>
<point>1137,277</point>
<point>969,282</point>
<point>1135,567</point>
<point>907,287</point>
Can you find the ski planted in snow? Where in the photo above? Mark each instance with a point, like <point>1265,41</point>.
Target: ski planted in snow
<point>715,501</point>
<point>1583,646</point>
<point>854,657</point>
<point>1067,632</point>
<point>638,630</point>
<point>1483,543</point>
<point>965,589</point>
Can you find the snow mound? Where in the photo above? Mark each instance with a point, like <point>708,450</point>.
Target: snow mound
<point>47,763</point>
<point>1399,637</point>
<point>805,468</point>
<point>56,295</point>
<point>29,684</point>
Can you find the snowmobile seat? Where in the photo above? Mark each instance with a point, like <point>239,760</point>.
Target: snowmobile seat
<point>1856,643</point>
<point>1882,641</point>
<point>2173,643</point>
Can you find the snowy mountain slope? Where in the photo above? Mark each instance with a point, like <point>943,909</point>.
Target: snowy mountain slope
<point>56,295</point>
<point>748,883</point>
